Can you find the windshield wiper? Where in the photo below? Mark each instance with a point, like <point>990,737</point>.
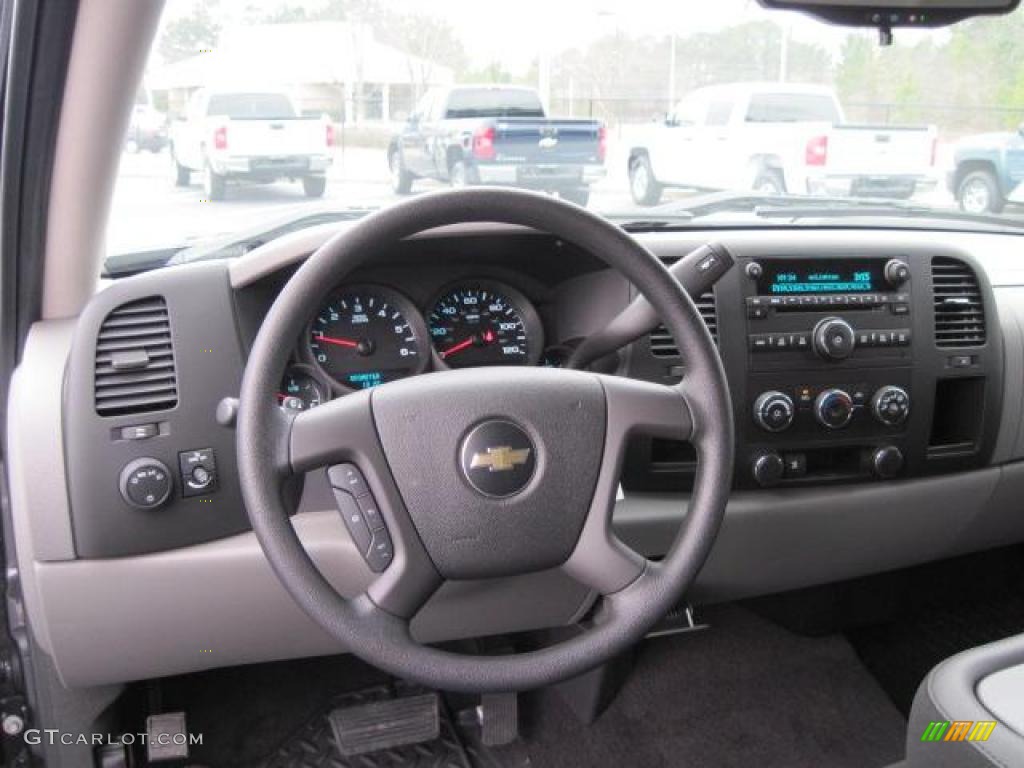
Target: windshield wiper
<point>796,207</point>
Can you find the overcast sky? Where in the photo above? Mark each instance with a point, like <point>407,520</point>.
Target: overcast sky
<point>515,33</point>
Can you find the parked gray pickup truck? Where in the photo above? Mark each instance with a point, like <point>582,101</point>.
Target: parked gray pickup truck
<point>496,134</point>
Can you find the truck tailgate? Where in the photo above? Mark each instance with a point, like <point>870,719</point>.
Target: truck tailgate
<point>865,150</point>
<point>276,138</point>
<point>556,142</point>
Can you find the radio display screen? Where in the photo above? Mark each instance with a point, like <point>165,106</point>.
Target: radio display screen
<point>808,276</point>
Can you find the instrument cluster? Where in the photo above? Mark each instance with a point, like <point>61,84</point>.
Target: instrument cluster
<point>365,335</point>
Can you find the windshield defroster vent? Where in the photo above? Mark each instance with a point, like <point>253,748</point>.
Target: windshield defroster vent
<point>135,360</point>
<point>662,344</point>
<point>959,311</point>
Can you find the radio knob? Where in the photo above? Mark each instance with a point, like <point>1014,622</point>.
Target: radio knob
<point>896,272</point>
<point>833,338</point>
<point>891,405</point>
<point>768,469</point>
<point>887,462</point>
<point>833,408</point>
<point>773,411</point>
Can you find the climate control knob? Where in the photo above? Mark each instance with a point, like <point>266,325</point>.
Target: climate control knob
<point>833,408</point>
<point>887,462</point>
<point>891,405</point>
<point>773,411</point>
<point>833,338</point>
<point>768,469</point>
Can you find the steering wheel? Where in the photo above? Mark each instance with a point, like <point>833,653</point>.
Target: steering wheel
<point>429,447</point>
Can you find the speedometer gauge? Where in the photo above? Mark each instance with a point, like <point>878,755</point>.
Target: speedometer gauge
<point>485,324</point>
<point>365,336</point>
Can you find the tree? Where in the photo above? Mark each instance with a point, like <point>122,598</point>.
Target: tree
<point>188,35</point>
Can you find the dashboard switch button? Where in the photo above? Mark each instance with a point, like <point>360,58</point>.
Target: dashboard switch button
<point>146,483</point>
<point>198,470</point>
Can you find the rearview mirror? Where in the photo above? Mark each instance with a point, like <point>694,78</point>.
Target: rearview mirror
<point>887,14</point>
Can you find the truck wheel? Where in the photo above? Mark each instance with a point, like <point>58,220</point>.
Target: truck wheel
<point>314,186</point>
<point>461,175</point>
<point>979,193</point>
<point>769,182</point>
<point>401,179</point>
<point>214,185</point>
<point>643,186</point>
<point>182,175</point>
<point>578,196</point>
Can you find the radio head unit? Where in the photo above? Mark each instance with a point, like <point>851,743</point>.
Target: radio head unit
<point>803,277</point>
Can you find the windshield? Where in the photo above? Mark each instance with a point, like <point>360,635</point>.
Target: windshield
<point>264,116</point>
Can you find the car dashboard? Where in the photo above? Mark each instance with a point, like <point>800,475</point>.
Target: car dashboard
<point>875,381</point>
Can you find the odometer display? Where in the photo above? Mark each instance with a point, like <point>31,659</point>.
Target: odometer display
<point>484,324</point>
<point>362,337</point>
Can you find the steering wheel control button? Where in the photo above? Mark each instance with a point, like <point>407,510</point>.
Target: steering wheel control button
<point>347,477</point>
<point>768,469</point>
<point>371,512</point>
<point>834,339</point>
<point>498,458</point>
<point>381,551</point>
<point>773,411</point>
<point>198,470</point>
<point>833,408</point>
<point>354,520</point>
<point>890,405</point>
<point>146,483</point>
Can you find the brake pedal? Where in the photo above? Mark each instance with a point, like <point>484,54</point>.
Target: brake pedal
<point>166,737</point>
<point>387,724</point>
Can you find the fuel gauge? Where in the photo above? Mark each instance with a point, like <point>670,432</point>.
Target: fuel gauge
<point>300,390</point>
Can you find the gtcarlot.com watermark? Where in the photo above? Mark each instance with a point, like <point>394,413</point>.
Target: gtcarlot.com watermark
<point>55,737</point>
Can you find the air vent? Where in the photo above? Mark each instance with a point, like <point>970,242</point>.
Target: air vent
<point>135,360</point>
<point>662,344</point>
<point>959,312</point>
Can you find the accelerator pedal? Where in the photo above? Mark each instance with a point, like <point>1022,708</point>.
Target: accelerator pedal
<point>383,725</point>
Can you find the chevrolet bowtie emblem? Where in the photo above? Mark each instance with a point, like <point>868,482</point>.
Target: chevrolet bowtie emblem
<point>500,458</point>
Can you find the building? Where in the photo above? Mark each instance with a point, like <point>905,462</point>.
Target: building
<point>335,68</point>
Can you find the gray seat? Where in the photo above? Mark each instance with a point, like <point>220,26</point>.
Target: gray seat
<point>984,684</point>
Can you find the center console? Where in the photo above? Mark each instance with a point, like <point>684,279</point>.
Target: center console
<point>830,348</point>
<point>845,367</point>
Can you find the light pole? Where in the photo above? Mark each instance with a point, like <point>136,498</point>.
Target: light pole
<point>671,71</point>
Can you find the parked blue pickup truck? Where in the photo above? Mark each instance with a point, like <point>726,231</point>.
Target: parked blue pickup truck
<point>988,171</point>
<point>496,134</point>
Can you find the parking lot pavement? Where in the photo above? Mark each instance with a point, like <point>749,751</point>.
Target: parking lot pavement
<point>148,211</point>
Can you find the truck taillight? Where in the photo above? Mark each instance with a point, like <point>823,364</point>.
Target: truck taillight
<point>220,138</point>
<point>817,151</point>
<point>329,134</point>
<point>602,143</point>
<point>483,143</point>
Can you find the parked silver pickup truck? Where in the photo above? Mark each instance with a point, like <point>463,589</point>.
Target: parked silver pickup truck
<point>777,138</point>
<point>255,136</point>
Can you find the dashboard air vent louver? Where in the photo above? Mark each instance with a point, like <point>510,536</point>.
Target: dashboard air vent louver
<point>135,360</point>
<point>959,312</point>
<point>662,344</point>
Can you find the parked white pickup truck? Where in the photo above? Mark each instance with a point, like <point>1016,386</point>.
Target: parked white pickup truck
<point>254,136</point>
<point>777,138</point>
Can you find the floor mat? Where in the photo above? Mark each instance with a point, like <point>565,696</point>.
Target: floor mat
<point>744,693</point>
<point>313,746</point>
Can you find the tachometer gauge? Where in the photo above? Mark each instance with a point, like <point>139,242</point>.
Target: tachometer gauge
<point>300,390</point>
<point>485,324</point>
<point>365,336</point>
